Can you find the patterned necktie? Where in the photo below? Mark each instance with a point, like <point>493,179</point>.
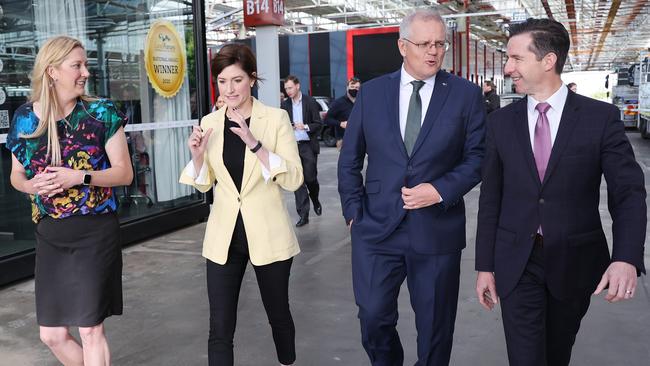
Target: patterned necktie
<point>413,117</point>
<point>542,148</point>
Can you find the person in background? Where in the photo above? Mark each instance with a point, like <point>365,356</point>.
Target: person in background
<point>68,152</point>
<point>304,113</point>
<point>340,109</point>
<point>573,87</point>
<point>218,104</point>
<point>421,130</point>
<point>540,245</point>
<point>492,100</point>
<point>249,150</point>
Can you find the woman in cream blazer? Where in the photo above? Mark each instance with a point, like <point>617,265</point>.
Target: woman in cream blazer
<point>248,152</point>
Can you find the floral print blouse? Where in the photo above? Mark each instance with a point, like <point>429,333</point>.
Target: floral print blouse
<point>82,138</point>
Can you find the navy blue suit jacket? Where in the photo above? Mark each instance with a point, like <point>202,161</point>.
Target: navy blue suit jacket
<point>447,154</point>
<point>590,142</point>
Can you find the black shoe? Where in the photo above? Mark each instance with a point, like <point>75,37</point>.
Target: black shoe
<point>318,209</point>
<point>302,222</point>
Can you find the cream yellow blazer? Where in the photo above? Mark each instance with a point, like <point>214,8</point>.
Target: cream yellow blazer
<point>268,227</point>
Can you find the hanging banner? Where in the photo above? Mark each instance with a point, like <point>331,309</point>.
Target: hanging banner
<point>164,58</point>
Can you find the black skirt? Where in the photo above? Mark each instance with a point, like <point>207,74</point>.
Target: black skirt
<point>78,275</point>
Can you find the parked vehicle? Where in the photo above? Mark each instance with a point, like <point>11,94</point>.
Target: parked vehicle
<point>643,117</point>
<point>509,98</point>
<point>326,133</point>
<point>625,94</point>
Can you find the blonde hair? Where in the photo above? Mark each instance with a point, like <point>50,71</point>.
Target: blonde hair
<point>52,54</point>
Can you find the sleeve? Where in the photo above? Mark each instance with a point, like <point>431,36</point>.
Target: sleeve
<point>351,160</point>
<point>113,119</point>
<point>22,123</point>
<point>464,176</point>
<point>626,194</point>
<point>489,206</point>
<point>315,124</point>
<point>288,174</point>
<point>274,163</point>
<point>331,118</point>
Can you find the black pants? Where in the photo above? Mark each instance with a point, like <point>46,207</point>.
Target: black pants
<point>224,282</point>
<point>540,329</point>
<point>310,188</point>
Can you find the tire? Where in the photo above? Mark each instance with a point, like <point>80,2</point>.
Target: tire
<point>328,137</point>
<point>643,128</point>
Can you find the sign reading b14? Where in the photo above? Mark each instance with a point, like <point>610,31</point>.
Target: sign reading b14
<point>263,12</point>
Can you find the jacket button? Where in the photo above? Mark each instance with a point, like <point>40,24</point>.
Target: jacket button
<point>274,178</point>
<point>238,199</point>
<point>541,201</point>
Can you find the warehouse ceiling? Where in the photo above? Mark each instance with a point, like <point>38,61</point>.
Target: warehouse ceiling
<point>604,33</point>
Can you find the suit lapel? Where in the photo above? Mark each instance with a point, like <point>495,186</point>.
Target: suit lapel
<point>523,136</point>
<point>305,107</point>
<point>564,132</point>
<point>392,101</point>
<point>257,127</point>
<point>436,103</point>
<point>219,167</point>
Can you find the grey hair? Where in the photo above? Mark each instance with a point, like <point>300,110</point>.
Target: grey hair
<point>425,14</point>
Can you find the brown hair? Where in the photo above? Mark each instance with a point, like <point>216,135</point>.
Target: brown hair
<point>292,78</point>
<point>236,54</point>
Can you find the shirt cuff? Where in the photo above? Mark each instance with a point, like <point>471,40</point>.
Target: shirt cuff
<point>202,177</point>
<point>274,162</point>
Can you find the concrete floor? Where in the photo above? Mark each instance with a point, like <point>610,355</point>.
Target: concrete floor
<point>165,319</point>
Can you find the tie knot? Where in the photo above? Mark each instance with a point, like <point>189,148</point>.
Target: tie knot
<point>542,107</point>
<point>417,85</point>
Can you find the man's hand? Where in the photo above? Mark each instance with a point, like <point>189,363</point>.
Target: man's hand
<point>343,124</point>
<point>486,290</point>
<point>621,278</point>
<point>422,195</point>
<point>298,126</point>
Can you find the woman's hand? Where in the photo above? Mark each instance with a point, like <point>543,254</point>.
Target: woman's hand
<point>64,178</point>
<point>43,184</point>
<point>198,142</point>
<point>242,131</point>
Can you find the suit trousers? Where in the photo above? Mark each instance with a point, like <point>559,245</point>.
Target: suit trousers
<point>378,271</point>
<point>224,283</point>
<point>540,329</point>
<point>310,188</point>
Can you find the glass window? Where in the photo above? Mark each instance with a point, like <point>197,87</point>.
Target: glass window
<point>114,35</point>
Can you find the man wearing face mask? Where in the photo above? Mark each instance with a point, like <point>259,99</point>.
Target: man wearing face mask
<point>339,111</point>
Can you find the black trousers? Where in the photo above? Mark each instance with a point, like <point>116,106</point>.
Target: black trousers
<point>311,187</point>
<point>540,329</point>
<point>224,282</point>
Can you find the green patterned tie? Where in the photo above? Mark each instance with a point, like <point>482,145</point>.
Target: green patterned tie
<point>413,117</point>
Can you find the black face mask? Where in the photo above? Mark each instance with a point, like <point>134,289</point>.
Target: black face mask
<point>353,92</point>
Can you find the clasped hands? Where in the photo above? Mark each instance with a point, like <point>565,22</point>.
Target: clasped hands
<point>54,180</point>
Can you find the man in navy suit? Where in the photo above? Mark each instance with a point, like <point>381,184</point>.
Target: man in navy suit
<point>422,130</point>
<point>540,245</point>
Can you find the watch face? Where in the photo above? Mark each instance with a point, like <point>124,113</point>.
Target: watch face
<point>87,178</point>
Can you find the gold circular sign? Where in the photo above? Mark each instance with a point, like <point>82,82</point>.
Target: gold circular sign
<point>164,58</point>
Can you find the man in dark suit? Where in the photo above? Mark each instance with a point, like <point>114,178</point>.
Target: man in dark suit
<point>305,118</point>
<point>422,130</point>
<point>492,100</point>
<point>540,245</point>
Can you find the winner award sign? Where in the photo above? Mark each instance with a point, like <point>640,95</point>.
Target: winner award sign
<point>164,58</point>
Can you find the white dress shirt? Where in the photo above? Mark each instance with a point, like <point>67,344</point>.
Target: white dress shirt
<point>296,108</point>
<point>554,114</point>
<point>405,91</point>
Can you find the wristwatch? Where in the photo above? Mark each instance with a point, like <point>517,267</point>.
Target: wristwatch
<point>87,178</point>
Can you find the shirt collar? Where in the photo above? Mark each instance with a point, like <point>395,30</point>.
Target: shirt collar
<point>556,100</point>
<point>299,100</point>
<point>406,78</point>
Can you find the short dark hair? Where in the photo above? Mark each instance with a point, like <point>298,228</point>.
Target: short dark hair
<point>354,80</point>
<point>489,83</point>
<point>236,54</point>
<point>548,36</point>
<point>293,78</point>
<point>571,85</point>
